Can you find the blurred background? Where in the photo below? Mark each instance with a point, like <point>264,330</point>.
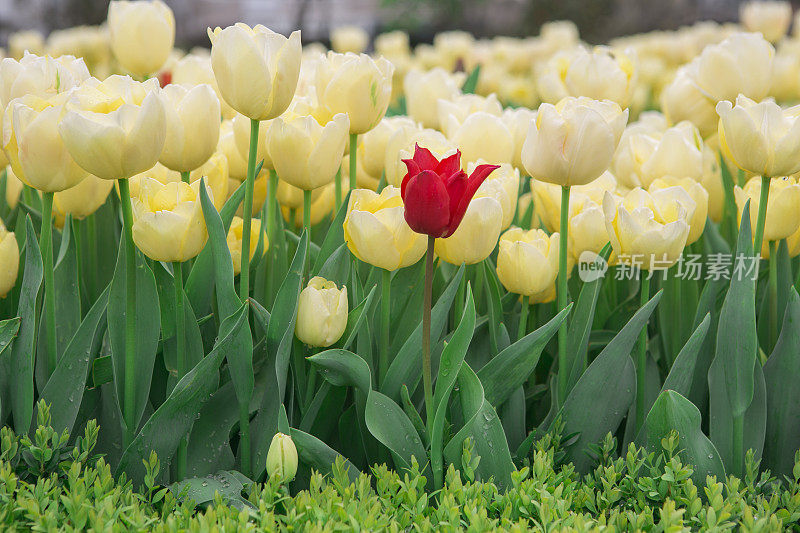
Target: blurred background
<point>597,20</point>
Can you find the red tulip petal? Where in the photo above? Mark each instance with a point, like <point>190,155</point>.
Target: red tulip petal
<point>427,205</point>
<point>449,165</point>
<point>424,158</point>
<point>475,180</point>
<point>413,170</point>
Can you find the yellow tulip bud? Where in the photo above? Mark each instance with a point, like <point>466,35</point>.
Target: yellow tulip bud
<point>550,77</point>
<point>712,183</point>
<point>601,74</point>
<point>476,236</point>
<point>9,258</point>
<point>13,188</point>
<point>454,48</point>
<point>234,239</point>
<point>142,34</point>
<point>195,69</point>
<point>503,186</point>
<point>304,153</point>
<point>282,458</point>
<point>691,192</point>
<point>168,223</point>
<point>241,136</point>
<point>461,106</point>
<point>392,44</point>
<point>481,136</point>
<point>760,137</point>
<point>527,261</point>
<point>81,200</point>
<point>683,100</point>
<point>771,19</point>
<point>783,204</point>
<point>423,91</point>
<point>573,142</point>
<point>22,42</point>
<point>372,150</point>
<point>349,39</point>
<point>192,118</point>
<point>323,200</point>
<point>356,85</point>
<point>363,180</point>
<point>256,69</point>
<point>546,296</point>
<point>785,84</point>
<point>518,121</point>
<point>376,231</point>
<point>321,313</point>
<point>215,172</point>
<point>587,227</point>
<point>115,128</point>
<point>548,198</point>
<point>237,165</point>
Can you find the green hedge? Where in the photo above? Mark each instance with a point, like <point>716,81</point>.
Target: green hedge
<point>47,484</point>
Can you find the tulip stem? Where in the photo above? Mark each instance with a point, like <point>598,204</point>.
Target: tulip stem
<point>353,160</point>
<point>641,356</point>
<point>247,214</point>
<point>49,281</point>
<point>272,205</point>
<point>338,190</point>
<point>91,230</point>
<point>307,226</point>
<point>180,339</point>
<point>762,215</point>
<point>426,335</point>
<point>386,288</point>
<point>773,294</point>
<point>185,177</point>
<point>563,298</point>
<point>523,318</point>
<point>129,402</point>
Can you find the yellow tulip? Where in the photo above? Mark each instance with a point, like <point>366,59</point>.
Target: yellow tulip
<point>81,200</point>
<point>192,118</point>
<point>282,458</point>
<point>237,165</point>
<point>376,231</point>
<point>215,172</point>
<point>602,74</point>
<point>683,100</point>
<point>392,44</point>
<point>771,19</point>
<point>573,142</point>
<point>785,84</point>
<point>587,229</point>
<point>518,121</point>
<point>321,313</point>
<point>33,144</point>
<point>13,188</point>
<point>9,258</point>
<point>503,186</point>
<point>423,90</point>
<point>461,106</point>
<point>454,48</point>
<point>760,137</point>
<point>351,39</point>
<point>323,200</point>
<point>476,236</point>
<point>741,64</point>
<point>195,69</point>
<point>372,151</point>
<point>305,153</point>
<point>783,204</point>
<point>256,69</point>
<point>168,223</point>
<point>401,146</point>
<point>241,137</point>
<point>548,198</point>
<point>234,239</point>
<point>527,261</point>
<point>363,180</point>
<point>115,128</point>
<point>481,136</point>
<point>22,42</point>
<point>663,188</point>
<point>142,34</point>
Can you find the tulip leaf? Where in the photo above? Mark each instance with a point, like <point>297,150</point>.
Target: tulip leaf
<point>471,83</point>
<point>357,318</point>
<point>343,368</point>
<point>673,412</point>
<point>707,305</point>
<point>495,310</point>
<point>333,239</point>
<point>64,390</point>
<point>783,394</point>
<point>600,399</point>
<point>512,367</point>
<point>202,491</point>
<point>174,418</point>
<point>406,368</point>
<point>681,372</point>
<point>319,455</point>
<point>21,360</point>
<point>391,426</point>
<point>337,267</point>
<point>8,331</point>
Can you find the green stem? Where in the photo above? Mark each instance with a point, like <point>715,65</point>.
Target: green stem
<point>353,155</point>
<point>426,335</point>
<point>49,281</point>
<point>773,294</point>
<point>738,445</point>
<point>338,190</point>
<point>272,205</point>
<point>762,215</point>
<point>185,176</point>
<point>641,357</point>
<point>563,297</point>
<point>307,226</point>
<point>180,339</point>
<point>386,288</point>
<point>129,403</point>
<point>523,318</point>
<point>247,214</point>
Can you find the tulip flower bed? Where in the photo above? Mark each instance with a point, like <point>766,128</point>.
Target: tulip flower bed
<point>267,261</point>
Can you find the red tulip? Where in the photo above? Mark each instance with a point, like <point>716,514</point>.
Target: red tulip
<point>436,193</point>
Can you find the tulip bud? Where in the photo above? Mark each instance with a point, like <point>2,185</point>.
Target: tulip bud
<point>481,136</point>
<point>215,172</point>
<point>256,69</point>
<point>376,232</point>
<point>168,223</point>
<point>573,142</point>
<point>192,119</point>
<point>22,42</point>
<point>683,100</point>
<point>81,200</point>
<point>372,151</point>
<point>548,198</point>
<point>234,239</point>
<point>423,91</point>
<point>461,106</point>
<point>392,44</point>
<point>783,204</point>
<point>9,258</point>
<point>688,192</point>
<point>503,186</point>
<point>587,229</point>
<point>527,261</point>
<point>13,188</point>
<point>771,19</point>
<point>304,153</point>
<point>349,39</point>
<point>241,137</point>
<point>518,121</point>
<point>321,313</point>
<point>476,236</point>
<point>237,165</point>
<point>195,69</point>
<point>601,74</point>
<point>282,458</point>
<point>142,34</point>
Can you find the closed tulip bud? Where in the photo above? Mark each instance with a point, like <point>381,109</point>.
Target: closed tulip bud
<point>481,136</point>
<point>81,200</point>
<point>34,147</point>
<point>476,236</point>
<point>372,151</point>
<point>9,258</point>
<point>321,313</point>
<point>349,39</point>
<point>22,42</point>
<point>760,137</point>
<point>256,69</point>
<point>235,241</point>
<point>587,229</point>
<point>142,34</point>
<point>423,91</point>
<point>13,188</point>
<point>771,19</point>
<point>291,197</point>
<point>460,107</point>
<point>683,100</point>
<point>168,223</point>
<point>518,121</point>
<point>639,239</point>
<point>527,261</point>
<point>392,43</point>
<point>573,142</point>
<point>259,195</point>
<point>783,204</point>
<point>237,165</point>
<point>241,137</point>
<point>115,128</point>
<point>741,64</point>
<point>192,118</point>
<point>548,198</point>
<point>215,172</point>
<point>356,85</point>
<point>305,153</point>
<point>376,232</point>
<point>601,74</point>
<point>363,180</point>
<point>282,458</point>
<point>689,193</point>
<point>503,186</point>
<point>195,69</point>
<point>712,183</point>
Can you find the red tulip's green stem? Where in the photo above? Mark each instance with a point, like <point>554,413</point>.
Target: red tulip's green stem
<point>46,245</point>
<point>353,155</point>
<point>563,298</point>
<point>272,205</point>
<point>523,318</point>
<point>247,214</point>
<point>762,215</point>
<point>129,403</point>
<point>773,293</point>
<point>641,356</point>
<point>426,335</point>
<point>180,338</point>
<point>386,288</point>
<point>338,190</point>
<point>738,445</point>
<point>307,227</point>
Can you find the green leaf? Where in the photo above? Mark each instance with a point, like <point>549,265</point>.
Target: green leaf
<point>334,238</point>
<point>357,318</point>
<point>319,455</point>
<point>391,426</point>
<point>681,373</point>
<point>343,368</point>
<point>201,491</point>
<point>337,267</point>
<point>471,82</point>
<point>8,332</point>
<point>707,304</point>
<point>495,310</point>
